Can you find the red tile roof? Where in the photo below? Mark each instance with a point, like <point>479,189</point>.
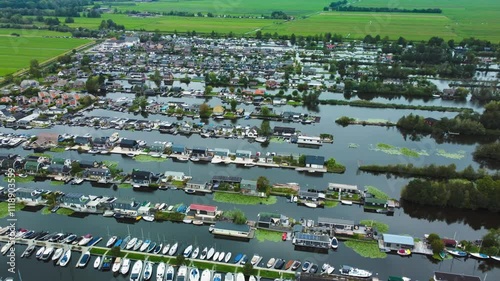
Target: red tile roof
<point>205,208</point>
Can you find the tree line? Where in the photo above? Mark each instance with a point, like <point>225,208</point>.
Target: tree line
<point>344,6</point>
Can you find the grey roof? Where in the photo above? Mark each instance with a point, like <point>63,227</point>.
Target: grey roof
<point>334,221</point>
<point>398,239</point>
<point>447,276</point>
<point>232,226</point>
<point>312,237</point>
<point>316,160</point>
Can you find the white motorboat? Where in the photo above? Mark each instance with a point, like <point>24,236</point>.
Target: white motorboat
<point>6,248</point>
<point>173,249</point>
<point>148,218</point>
<point>135,275</point>
<point>205,275</point>
<point>195,253</point>
<point>170,208</point>
<point>169,274</point>
<point>252,278</point>
<point>271,262</point>
<point>479,255</point>
<point>160,271</point>
<point>97,262</point>
<point>255,259</point>
<point>497,258</point>
<point>240,276</point>
<point>57,254</point>
<point>187,251</point>
<point>261,139</point>
<point>194,274</point>
<point>108,213</point>
<point>228,257</point>
<point>203,254</point>
<point>65,258</point>
<point>310,205</point>
<point>28,251</point>
<point>137,245</point>
<point>84,259</point>
<point>111,241</point>
<point>346,202</point>
<point>181,273</point>
<point>47,253</point>
<point>188,221</point>
<point>354,272</point>
<point>145,245</point>
<point>116,264</point>
<point>162,206</point>
<point>210,253</point>
<point>216,256</point>
<point>39,253</point>
<point>334,243</point>
<point>229,277</point>
<point>217,277</point>
<point>165,249</point>
<point>114,137</point>
<point>148,271</point>
<point>131,243</point>
<point>221,256</point>
<point>125,266</point>
<point>85,239</point>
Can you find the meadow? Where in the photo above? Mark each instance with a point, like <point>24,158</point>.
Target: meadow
<point>17,52</point>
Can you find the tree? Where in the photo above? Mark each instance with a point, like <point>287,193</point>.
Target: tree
<point>35,69</point>
<point>302,160</point>
<point>204,110</point>
<point>208,90</point>
<point>263,184</point>
<point>233,103</point>
<point>265,128</point>
<point>258,35</point>
<point>115,251</point>
<point>437,246</point>
<point>75,168</point>
<point>92,85</point>
<point>265,111</point>
<point>248,269</point>
<point>179,260</point>
<point>156,77</point>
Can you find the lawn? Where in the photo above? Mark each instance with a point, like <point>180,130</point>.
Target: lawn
<point>17,52</point>
<point>148,158</point>
<point>241,199</point>
<point>32,32</point>
<point>366,249</point>
<point>21,179</point>
<point>4,209</point>
<point>381,227</point>
<point>267,235</point>
<point>65,212</point>
<point>377,192</point>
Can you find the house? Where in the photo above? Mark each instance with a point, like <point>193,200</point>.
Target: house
<point>141,177</point>
<point>222,152</point>
<point>448,276</point>
<point>311,196</point>
<point>32,167</point>
<point>199,151</point>
<point>309,141</point>
<point>396,242</point>
<point>243,154</point>
<point>248,185</point>
<point>314,241</point>
<point>175,176</point>
<point>97,174</point>
<point>232,229</point>
<point>451,243</point>
<point>58,169</point>
<point>198,185</point>
<point>10,163</point>
<point>129,144</point>
<point>28,196</point>
<point>374,203</point>
<point>74,201</point>
<point>100,143</point>
<point>340,224</point>
<point>218,110</point>
<point>82,141</point>
<point>273,221</point>
<point>316,162</point>
<point>343,187</point>
<point>47,139</point>
<point>218,180</point>
<point>202,212</point>
<point>84,164</point>
<point>283,131</point>
<point>126,207</point>
<point>178,149</point>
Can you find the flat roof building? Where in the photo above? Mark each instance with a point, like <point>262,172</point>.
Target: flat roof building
<point>396,242</point>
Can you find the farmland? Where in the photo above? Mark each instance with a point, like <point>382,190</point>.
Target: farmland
<point>17,52</point>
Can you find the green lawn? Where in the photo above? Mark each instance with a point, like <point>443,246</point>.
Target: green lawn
<point>32,32</point>
<point>17,52</point>
<point>268,235</point>
<point>241,199</point>
<point>366,249</point>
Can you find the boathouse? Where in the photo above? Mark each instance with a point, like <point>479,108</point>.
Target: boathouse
<point>28,196</point>
<point>375,203</point>
<point>314,196</point>
<point>7,163</point>
<point>448,276</point>
<point>339,224</point>
<point>343,187</point>
<point>58,169</point>
<point>74,201</point>
<point>32,166</point>
<point>223,152</point>
<point>396,242</point>
<point>273,221</point>
<point>202,212</point>
<point>315,162</point>
<point>232,230</point>
<point>82,141</point>
<point>312,241</point>
<point>88,164</point>
<point>100,143</point>
<point>199,151</point>
<point>141,177</point>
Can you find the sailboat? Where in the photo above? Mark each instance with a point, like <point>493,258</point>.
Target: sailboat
<point>160,271</point>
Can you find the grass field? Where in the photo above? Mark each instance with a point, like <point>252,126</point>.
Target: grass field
<point>17,52</point>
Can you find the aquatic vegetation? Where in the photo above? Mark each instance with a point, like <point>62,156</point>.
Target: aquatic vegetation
<point>46,211</point>
<point>4,209</point>
<point>331,203</point>
<point>376,192</point>
<point>366,249</point>
<point>54,182</point>
<point>380,226</point>
<point>124,185</point>
<point>148,158</point>
<point>65,211</point>
<point>241,199</point>
<point>353,145</point>
<point>458,155</point>
<point>267,235</point>
<point>393,150</point>
<point>277,140</point>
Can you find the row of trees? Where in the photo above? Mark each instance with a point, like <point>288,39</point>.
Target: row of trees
<point>480,194</point>
<point>488,154</point>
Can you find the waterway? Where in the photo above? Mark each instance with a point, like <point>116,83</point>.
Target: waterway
<point>411,219</point>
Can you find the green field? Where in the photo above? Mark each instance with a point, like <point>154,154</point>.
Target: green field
<point>17,52</point>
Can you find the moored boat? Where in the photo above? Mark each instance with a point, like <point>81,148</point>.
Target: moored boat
<point>84,259</point>
<point>255,259</point>
<point>194,274</point>
<point>181,273</point>
<point>354,272</point>
<point>97,262</point>
<point>28,251</point>
<point>85,239</point>
<point>279,264</point>
<point>479,255</point>
<point>111,241</point>
<point>270,262</point>
<point>238,257</point>
<point>227,258</point>
<point>210,253</point>
<point>136,271</point>
<point>334,243</point>
<point>456,253</point>
<point>173,249</point>
<point>497,258</point>
<point>151,247</point>
<point>240,276</point>
<point>47,253</point>
<point>187,251</point>
<point>221,256</point>
<point>195,253</point>
<point>57,254</point>
<point>404,252</point>
<point>165,249</point>
<point>116,264</point>
<point>203,253</point>
<point>215,256</point>
<point>39,253</point>
<point>289,264</point>
<point>229,277</point>
<point>131,243</point>
<point>125,266</point>
<point>217,277</point>
<point>296,264</point>
<point>160,271</point>
<point>205,275</point>
<point>145,245</point>
<point>169,274</point>
<point>148,271</point>
<point>306,266</point>
<point>158,248</point>
<point>346,202</point>
<point>137,245</point>
<point>310,205</point>
<point>252,278</point>
<point>65,258</point>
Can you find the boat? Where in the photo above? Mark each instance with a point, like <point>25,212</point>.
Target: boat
<point>125,242</point>
<point>114,137</point>
<point>151,247</point>
<point>170,208</point>
<point>217,277</point>
<point>345,202</point>
<point>197,222</point>
<point>116,264</point>
<point>194,274</point>
<point>56,237</point>
<point>211,228</point>
<point>162,206</point>
<point>181,273</point>
<point>271,262</point>
<point>240,276</point>
<point>169,274</point>
<point>173,249</point>
<point>157,249</point>
<point>249,164</point>
<point>237,258</point>
<point>497,258</point>
<point>255,259</point>
<point>160,271</point>
<point>106,263</point>
<point>306,266</point>
<point>289,264</point>
<point>135,275</point>
<point>28,251</point>
<point>284,236</point>
<point>404,252</point>
<point>205,275</point>
<point>296,264</point>
<point>456,253</point>
<point>354,272</point>
<point>148,271</point>
<point>118,243</point>
<point>85,239</point>
<point>313,269</point>
<point>398,278</point>
<point>310,205</point>
<point>334,243</point>
<point>47,253</point>
<point>165,249</point>
<point>330,270</point>
<point>442,254</point>
<point>111,241</point>
<point>279,264</point>
<point>148,218</point>
<point>227,258</point>
<point>57,254</point>
<point>479,256</point>
<point>187,251</point>
<point>252,278</point>
<point>221,256</point>
<point>39,253</point>
<point>195,253</point>
<point>131,243</point>
<point>261,139</point>
<point>125,266</point>
<point>145,245</point>
<point>244,260</point>
<point>28,234</point>
<point>84,259</point>
<point>182,158</point>
<point>210,253</point>
<point>137,245</point>
<point>229,277</point>
<point>188,221</point>
<point>65,258</point>
<point>216,256</point>
<point>97,262</point>
<point>203,253</point>
<point>108,213</point>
